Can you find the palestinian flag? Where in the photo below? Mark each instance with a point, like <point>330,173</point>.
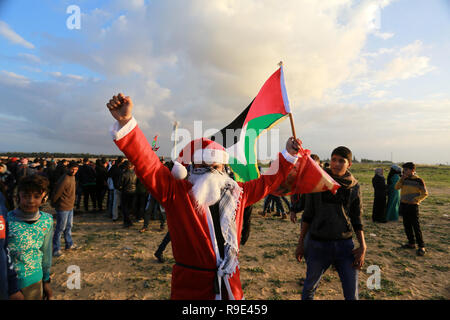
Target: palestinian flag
<point>154,147</point>
<point>270,106</point>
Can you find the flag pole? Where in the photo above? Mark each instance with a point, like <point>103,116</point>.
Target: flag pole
<point>291,117</point>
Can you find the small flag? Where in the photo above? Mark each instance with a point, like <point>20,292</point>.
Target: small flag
<point>154,147</point>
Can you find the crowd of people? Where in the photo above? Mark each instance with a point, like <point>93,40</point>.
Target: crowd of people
<point>207,212</point>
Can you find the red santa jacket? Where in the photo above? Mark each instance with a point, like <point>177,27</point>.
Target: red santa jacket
<point>192,234</point>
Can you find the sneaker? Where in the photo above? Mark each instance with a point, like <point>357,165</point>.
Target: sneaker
<point>409,246</point>
<point>160,257</point>
<point>284,216</point>
<point>57,253</point>
<point>276,214</point>
<point>143,230</point>
<point>421,252</point>
<point>73,247</point>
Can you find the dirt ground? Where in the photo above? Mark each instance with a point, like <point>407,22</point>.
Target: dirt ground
<point>118,263</point>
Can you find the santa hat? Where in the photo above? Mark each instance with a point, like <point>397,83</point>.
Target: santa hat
<point>199,151</point>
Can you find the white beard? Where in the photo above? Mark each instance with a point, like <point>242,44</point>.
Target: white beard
<point>207,188</point>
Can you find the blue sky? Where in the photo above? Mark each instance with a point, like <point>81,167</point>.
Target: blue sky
<point>372,75</point>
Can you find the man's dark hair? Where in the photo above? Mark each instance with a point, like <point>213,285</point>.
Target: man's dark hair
<point>33,183</point>
<point>72,164</point>
<point>409,165</point>
<point>85,160</point>
<point>344,152</point>
<point>119,159</point>
<point>315,157</point>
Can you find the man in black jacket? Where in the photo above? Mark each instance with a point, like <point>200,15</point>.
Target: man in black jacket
<point>101,186</point>
<point>87,179</point>
<point>330,221</point>
<point>128,189</point>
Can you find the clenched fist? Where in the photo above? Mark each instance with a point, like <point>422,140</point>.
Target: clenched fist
<point>120,108</point>
<point>293,146</point>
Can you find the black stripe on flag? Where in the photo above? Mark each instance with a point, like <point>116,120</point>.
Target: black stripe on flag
<point>236,124</point>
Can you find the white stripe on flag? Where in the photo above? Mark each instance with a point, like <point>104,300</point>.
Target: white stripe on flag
<point>284,91</point>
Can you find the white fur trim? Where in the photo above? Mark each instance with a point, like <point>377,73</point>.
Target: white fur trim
<point>210,156</point>
<point>118,132</point>
<point>292,159</point>
<point>179,171</point>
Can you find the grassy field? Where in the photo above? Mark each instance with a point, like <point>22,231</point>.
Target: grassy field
<point>118,263</point>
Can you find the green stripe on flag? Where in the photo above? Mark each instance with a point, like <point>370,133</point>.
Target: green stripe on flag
<point>255,128</point>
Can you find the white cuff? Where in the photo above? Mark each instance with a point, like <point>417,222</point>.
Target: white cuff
<point>292,159</point>
<point>118,132</point>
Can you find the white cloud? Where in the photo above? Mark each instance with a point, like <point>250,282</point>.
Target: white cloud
<point>404,68</point>
<point>408,64</point>
<point>383,35</point>
<point>11,78</point>
<point>30,58</point>
<point>12,36</point>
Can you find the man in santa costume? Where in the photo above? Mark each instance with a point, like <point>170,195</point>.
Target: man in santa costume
<point>204,211</point>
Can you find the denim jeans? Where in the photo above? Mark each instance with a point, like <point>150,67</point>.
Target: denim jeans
<point>64,221</point>
<point>319,256</point>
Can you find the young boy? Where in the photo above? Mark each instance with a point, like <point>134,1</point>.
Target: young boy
<point>330,221</point>
<point>30,238</point>
<point>413,192</point>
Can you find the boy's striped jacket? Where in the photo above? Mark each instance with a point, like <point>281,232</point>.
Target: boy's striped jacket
<point>413,190</point>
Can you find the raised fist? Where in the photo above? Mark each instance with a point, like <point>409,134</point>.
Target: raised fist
<point>120,108</point>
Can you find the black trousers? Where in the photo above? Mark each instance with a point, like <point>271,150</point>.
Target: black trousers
<point>128,206</point>
<point>89,191</point>
<point>141,199</point>
<point>410,213</point>
<point>100,194</point>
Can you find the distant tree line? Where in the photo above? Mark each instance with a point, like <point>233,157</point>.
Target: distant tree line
<point>375,161</point>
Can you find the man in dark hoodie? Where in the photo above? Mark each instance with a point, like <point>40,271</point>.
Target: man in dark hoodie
<point>330,221</point>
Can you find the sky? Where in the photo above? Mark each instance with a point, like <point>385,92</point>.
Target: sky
<point>373,75</point>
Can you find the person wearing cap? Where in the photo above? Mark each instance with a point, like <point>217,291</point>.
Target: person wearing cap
<point>204,211</point>
<point>413,192</point>
<point>63,200</point>
<point>393,201</point>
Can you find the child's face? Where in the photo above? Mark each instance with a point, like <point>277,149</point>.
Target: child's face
<point>408,172</point>
<point>339,165</point>
<point>29,202</point>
